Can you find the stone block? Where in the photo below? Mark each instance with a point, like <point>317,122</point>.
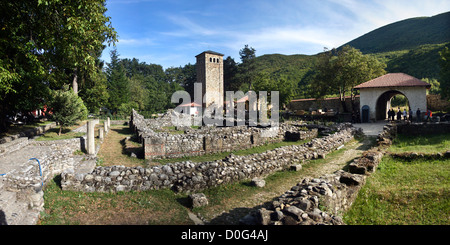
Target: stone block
<point>258,182</point>
<point>351,179</point>
<point>297,167</point>
<point>198,200</point>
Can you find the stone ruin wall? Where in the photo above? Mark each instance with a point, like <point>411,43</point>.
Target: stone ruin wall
<point>207,140</point>
<point>53,163</point>
<point>322,201</point>
<point>54,157</point>
<point>194,176</point>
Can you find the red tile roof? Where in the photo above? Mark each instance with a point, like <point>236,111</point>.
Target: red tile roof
<point>331,98</point>
<point>394,80</point>
<point>193,104</point>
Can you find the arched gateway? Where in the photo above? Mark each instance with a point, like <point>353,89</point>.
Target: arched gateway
<point>375,95</point>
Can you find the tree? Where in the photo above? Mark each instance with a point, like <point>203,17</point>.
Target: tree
<point>75,33</point>
<point>338,74</point>
<point>67,108</point>
<point>182,76</point>
<point>230,71</point>
<point>45,44</point>
<point>445,73</point>
<point>139,91</point>
<point>94,93</point>
<point>435,85</point>
<point>247,68</point>
<point>322,74</point>
<point>118,86</point>
<point>355,68</point>
<point>263,82</point>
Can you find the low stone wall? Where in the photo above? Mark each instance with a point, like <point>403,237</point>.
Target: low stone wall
<point>418,129</point>
<point>436,103</point>
<point>27,182</point>
<point>301,204</point>
<point>207,140</point>
<point>410,156</point>
<point>319,200</point>
<point>58,157</point>
<point>28,133</point>
<point>305,203</point>
<point>189,176</point>
<point>213,140</point>
<point>315,104</point>
<point>13,145</point>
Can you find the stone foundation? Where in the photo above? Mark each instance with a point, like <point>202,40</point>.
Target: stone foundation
<point>323,200</point>
<point>206,140</point>
<point>318,201</point>
<point>189,176</point>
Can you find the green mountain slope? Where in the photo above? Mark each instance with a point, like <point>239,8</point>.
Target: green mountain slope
<point>406,34</point>
<point>292,67</point>
<point>410,46</point>
<point>420,62</point>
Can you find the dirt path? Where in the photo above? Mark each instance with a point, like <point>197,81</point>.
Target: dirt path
<point>112,150</point>
<point>329,165</point>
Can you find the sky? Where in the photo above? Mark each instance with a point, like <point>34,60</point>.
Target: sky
<point>172,32</point>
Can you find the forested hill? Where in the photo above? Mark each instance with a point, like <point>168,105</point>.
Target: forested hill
<point>405,35</point>
<point>411,46</point>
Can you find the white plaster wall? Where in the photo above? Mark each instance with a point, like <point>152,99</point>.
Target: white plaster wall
<point>417,97</point>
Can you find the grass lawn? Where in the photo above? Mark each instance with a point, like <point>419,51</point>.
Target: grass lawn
<point>52,134</point>
<point>112,149</point>
<point>404,192</point>
<point>159,207</point>
<point>66,133</point>
<point>227,203</point>
<point>424,144</point>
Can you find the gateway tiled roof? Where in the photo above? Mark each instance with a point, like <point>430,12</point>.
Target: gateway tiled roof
<point>394,80</point>
<point>332,98</point>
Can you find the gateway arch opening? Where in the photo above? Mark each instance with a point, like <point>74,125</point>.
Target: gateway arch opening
<point>392,99</point>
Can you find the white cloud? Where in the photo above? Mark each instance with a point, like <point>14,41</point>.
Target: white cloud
<point>369,15</point>
<point>189,27</point>
<point>284,39</point>
<point>292,27</point>
<point>136,42</point>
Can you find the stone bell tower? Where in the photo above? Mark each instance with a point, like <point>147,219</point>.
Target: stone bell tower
<point>210,75</point>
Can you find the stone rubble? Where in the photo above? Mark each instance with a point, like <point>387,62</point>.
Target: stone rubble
<point>320,201</point>
<point>306,202</point>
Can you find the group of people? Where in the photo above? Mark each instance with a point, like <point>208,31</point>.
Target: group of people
<point>399,114</point>
<point>409,115</point>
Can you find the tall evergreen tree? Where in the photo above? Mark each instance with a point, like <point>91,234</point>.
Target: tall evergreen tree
<point>247,69</point>
<point>230,71</point>
<point>117,83</point>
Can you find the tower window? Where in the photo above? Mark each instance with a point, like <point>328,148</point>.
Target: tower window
<point>210,59</point>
